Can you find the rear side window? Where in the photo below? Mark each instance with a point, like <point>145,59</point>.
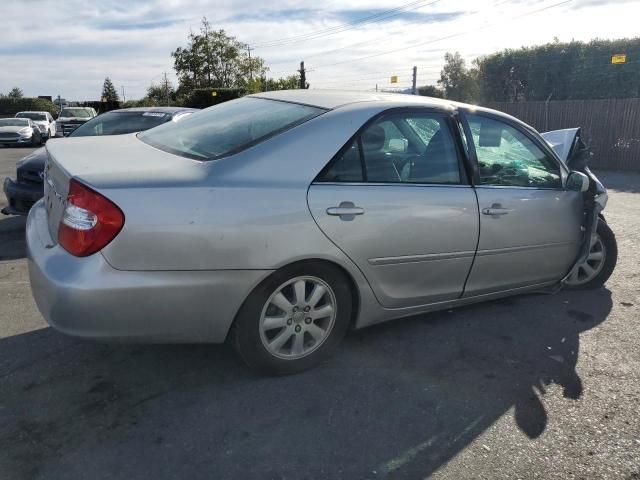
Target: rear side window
<point>229,127</point>
<point>401,148</point>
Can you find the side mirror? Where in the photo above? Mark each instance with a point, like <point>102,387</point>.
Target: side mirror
<point>398,145</point>
<point>578,182</point>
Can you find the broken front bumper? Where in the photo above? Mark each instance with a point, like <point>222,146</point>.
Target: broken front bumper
<point>20,196</point>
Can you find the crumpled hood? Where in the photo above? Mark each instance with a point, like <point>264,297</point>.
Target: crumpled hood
<point>561,141</point>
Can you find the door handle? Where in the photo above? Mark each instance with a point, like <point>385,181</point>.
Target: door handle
<point>496,210</point>
<point>346,211</point>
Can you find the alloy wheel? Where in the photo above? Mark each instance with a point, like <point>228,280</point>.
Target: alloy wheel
<point>593,264</point>
<point>298,317</point>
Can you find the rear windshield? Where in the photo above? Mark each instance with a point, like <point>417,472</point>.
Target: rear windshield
<point>75,112</point>
<point>229,127</point>
<point>32,115</point>
<point>119,123</point>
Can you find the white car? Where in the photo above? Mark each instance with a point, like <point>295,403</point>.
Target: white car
<point>43,120</point>
<point>19,131</point>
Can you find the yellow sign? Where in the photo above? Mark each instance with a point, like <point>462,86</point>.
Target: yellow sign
<point>394,79</point>
<point>214,93</point>
<point>619,58</point>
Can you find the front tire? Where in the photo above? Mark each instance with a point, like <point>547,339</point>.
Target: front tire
<point>599,266</point>
<point>293,320</point>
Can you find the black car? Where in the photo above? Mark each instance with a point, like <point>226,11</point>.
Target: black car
<point>28,187</point>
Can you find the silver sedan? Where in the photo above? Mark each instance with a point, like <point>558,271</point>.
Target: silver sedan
<point>282,219</point>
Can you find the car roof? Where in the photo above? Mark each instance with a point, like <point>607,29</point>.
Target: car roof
<point>331,99</point>
<point>156,109</point>
<point>32,111</point>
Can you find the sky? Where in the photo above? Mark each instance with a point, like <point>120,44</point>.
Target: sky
<point>68,47</point>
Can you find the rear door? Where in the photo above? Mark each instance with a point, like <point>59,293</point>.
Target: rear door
<point>530,226</point>
<point>396,200</point>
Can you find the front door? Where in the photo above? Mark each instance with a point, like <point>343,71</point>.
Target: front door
<point>396,201</point>
<point>530,226</point>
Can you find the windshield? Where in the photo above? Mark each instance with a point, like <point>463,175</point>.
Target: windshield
<point>75,112</point>
<point>32,115</point>
<point>229,127</point>
<point>119,123</point>
<point>14,122</point>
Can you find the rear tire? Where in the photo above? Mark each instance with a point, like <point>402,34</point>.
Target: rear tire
<point>293,320</point>
<point>593,274</point>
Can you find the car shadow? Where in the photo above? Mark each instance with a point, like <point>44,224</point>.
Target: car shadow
<point>12,240</point>
<point>398,400</point>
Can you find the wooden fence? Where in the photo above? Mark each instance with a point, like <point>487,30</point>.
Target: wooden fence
<point>610,127</point>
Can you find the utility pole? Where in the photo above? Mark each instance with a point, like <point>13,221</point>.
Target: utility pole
<point>376,87</point>
<point>250,66</point>
<point>303,76</point>
<point>414,90</point>
<point>124,99</point>
<point>166,88</point>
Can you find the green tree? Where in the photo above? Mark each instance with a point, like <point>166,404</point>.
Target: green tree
<point>15,93</point>
<point>214,59</point>
<point>458,82</point>
<point>430,91</point>
<point>161,93</point>
<point>572,70</point>
<point>109,93</point>
<point>284,83</point>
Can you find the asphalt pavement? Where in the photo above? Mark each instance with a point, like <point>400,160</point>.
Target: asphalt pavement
<point>535,386</point>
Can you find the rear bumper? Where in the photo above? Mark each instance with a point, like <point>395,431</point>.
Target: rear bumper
<point>21,196</point>
<point>87,298</point>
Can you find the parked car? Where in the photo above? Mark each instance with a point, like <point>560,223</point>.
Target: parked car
<point>71,118</point>
<point>28,187</point>
<point>43,120</point>
<point>281,219</point>
<point>19,131</point>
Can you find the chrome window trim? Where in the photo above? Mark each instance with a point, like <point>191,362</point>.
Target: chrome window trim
<point>391,184</point>
<point>520,187</point>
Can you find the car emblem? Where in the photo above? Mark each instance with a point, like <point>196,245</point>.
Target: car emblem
<point>41,175</point>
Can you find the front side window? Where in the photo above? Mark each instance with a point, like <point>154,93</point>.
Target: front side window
<point>400,148</point>
<point>229,127</point>
<point>507,157</point>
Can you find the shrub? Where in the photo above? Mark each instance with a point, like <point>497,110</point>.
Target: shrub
<point>11,106</point>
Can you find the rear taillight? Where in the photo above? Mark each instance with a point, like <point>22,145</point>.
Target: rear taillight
<point>89,222</point>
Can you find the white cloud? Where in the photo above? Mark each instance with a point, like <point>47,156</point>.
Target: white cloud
<point>50,47</point>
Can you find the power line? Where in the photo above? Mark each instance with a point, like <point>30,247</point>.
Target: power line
<point>459,34</point>
<point>380,16</point>
<point>358,44</point>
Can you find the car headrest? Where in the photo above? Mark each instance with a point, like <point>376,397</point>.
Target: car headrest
<point>373,138</point>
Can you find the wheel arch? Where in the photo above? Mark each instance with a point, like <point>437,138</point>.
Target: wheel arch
<point>353,287</point>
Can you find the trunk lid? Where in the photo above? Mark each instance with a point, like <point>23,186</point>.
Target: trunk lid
<point>108,163</point>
